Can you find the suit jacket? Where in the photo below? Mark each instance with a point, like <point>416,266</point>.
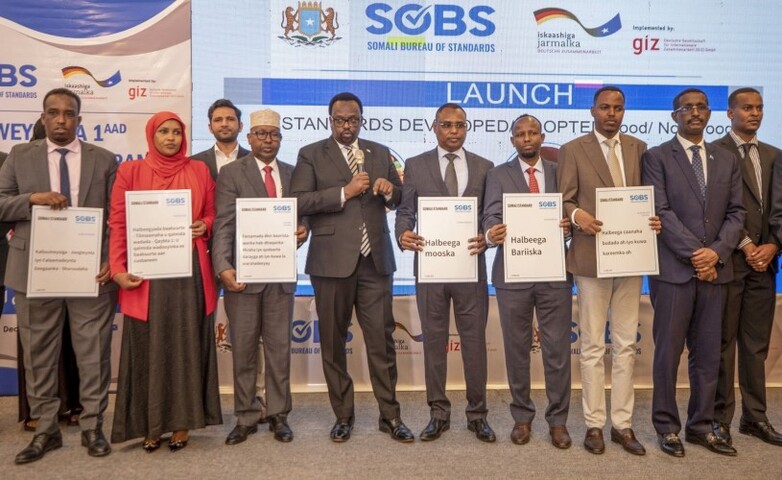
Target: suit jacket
<point>509,178</point>
<point>756,225</point>
<point>240,179</point>
<point>4,228</point>
<point>583,168</point>
<point>423,179</point>
<point>208,157</point>
<point>320,173</point>
<point>26,171</point>
<point>688,222</point>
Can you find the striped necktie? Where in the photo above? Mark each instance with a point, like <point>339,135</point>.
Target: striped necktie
<point>365,248</point>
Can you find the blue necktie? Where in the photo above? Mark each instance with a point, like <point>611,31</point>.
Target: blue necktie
<point>65,179</point>
<point>697,167</point>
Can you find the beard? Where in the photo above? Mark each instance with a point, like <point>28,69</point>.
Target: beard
<point>532,154</point>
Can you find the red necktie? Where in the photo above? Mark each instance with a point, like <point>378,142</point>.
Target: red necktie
<point>533,182</point>
<point>271,188</point>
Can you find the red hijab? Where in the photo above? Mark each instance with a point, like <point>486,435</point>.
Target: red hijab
<point>165,167</point>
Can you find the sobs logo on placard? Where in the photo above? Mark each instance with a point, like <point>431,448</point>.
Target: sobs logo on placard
<point>567,41</point>
<point>309,25</point>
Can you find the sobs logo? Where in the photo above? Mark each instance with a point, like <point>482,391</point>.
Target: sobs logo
<point>609,28</point>
<point>443,19</point>
<point>309,25</point>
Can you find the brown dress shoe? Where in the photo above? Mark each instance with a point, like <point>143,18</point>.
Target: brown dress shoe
<point>560,438</point>
<point>626,438</point>
<point>520,433</point>
<point>593,441</point>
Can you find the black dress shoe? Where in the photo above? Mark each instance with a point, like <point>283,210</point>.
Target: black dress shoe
<point>671,444</point>
<point>150,444</point>
<point>239,434</point>
<point>762,430</point>
<point>483,431</point>
<point>722,430</point>
<point>435,428</point>
<point>340,432</point>
<point>42,443</point>
<point>177,444</point>
<point>397,429</point>
<point>279,425</point>
<point>96,443</point>
<point>712,442</point>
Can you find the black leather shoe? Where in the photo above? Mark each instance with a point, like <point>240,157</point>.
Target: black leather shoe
<point>279,425</point>
<point>712,442</point>
<point>435,428</point>
<point>340,432</point>
<point>397,429</point>
<point>671,444</point>
<point>762,430</point>
<point>483,431</point>
<point>626,438</point>
<point>178,444</point>
<point>96,443</point>
<point>722,430</point>
<point>593,441</point>
<point>239,434</point>
<point>42,443</point>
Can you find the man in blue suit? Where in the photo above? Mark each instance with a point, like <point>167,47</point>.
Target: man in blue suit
<point>698,197</point>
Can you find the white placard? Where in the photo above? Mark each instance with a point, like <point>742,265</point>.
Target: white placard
<point>626,244</point>
<point>446,223</point>
<point>65,249</point>
<point>266,240</point>
<point>160,243</point>
<point>534,249</point>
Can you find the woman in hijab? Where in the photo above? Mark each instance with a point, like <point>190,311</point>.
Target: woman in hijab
<point>168,366</point>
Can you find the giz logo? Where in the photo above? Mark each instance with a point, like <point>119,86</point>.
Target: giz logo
<point>10,75</point>
<point>303,331</point>
<point>136,92</point>
<point>645,44</point>
<point>414,19</point>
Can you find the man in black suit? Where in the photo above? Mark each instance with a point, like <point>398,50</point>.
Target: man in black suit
<point>350,259</point>
<point>749,311</point>
<point>449,171</point>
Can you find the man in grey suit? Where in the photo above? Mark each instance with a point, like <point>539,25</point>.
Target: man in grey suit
<point>603,158</point>
<point>553,301</point>
<point>350,259</point>
<point>751,297</point>
<point>257,309</point>
<point>449,171</point>
<point>60,171</point>
<point>697,194</point>
<point>225,123</point>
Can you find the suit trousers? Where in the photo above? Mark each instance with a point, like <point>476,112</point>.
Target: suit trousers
<point>40,331</point>
<point>746,326</point>
<point>608,304</point>
<point>370,294</point>
<point>470,306</point>
<point>554,309</point>
<point>688,313</point>
<point>267,314</point>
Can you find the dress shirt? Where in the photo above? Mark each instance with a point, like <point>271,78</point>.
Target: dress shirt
<point>275,174</point>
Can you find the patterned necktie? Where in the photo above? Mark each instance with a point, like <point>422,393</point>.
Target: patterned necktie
<point>365,248</point>
<point>755,162</point>
<point>613,163</point>
<point>533,182</point>
<point>697,167</point>
<point>65,179</point>
<point>451,184</point>
<point>271,188</point>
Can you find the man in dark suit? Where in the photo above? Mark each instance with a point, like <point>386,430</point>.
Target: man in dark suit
<point>225,123</point>
<point>751,297</point>
<point>553,301</point>
<point>350,259</point>
<point>257,309</point>
<point>60,171</point>
<point>449,171</point>
<point>697,194</point>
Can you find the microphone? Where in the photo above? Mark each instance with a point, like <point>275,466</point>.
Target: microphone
<point>359,156</point>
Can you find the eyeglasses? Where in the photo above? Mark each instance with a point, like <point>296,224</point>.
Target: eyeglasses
<point>263,135</point>
<point>701,107</point>
<point>450,125</point>
<point>352,121</point>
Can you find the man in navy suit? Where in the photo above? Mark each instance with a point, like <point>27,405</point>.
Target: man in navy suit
<point>697,189</point>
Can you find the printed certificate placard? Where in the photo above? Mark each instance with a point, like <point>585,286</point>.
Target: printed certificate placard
<point>266,240</point>
<point>446,223</point>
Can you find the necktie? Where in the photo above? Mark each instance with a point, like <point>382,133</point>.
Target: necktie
<point>755,161</point>
<point>697,167</point>
<point>451,184</point>
<point>533,182</point>
<point>613,163</point>
<point>271,188</point>
<point>65,179</point>
<point>365,248</point>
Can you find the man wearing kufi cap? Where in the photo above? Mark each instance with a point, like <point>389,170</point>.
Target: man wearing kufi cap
<point>255,309</point>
